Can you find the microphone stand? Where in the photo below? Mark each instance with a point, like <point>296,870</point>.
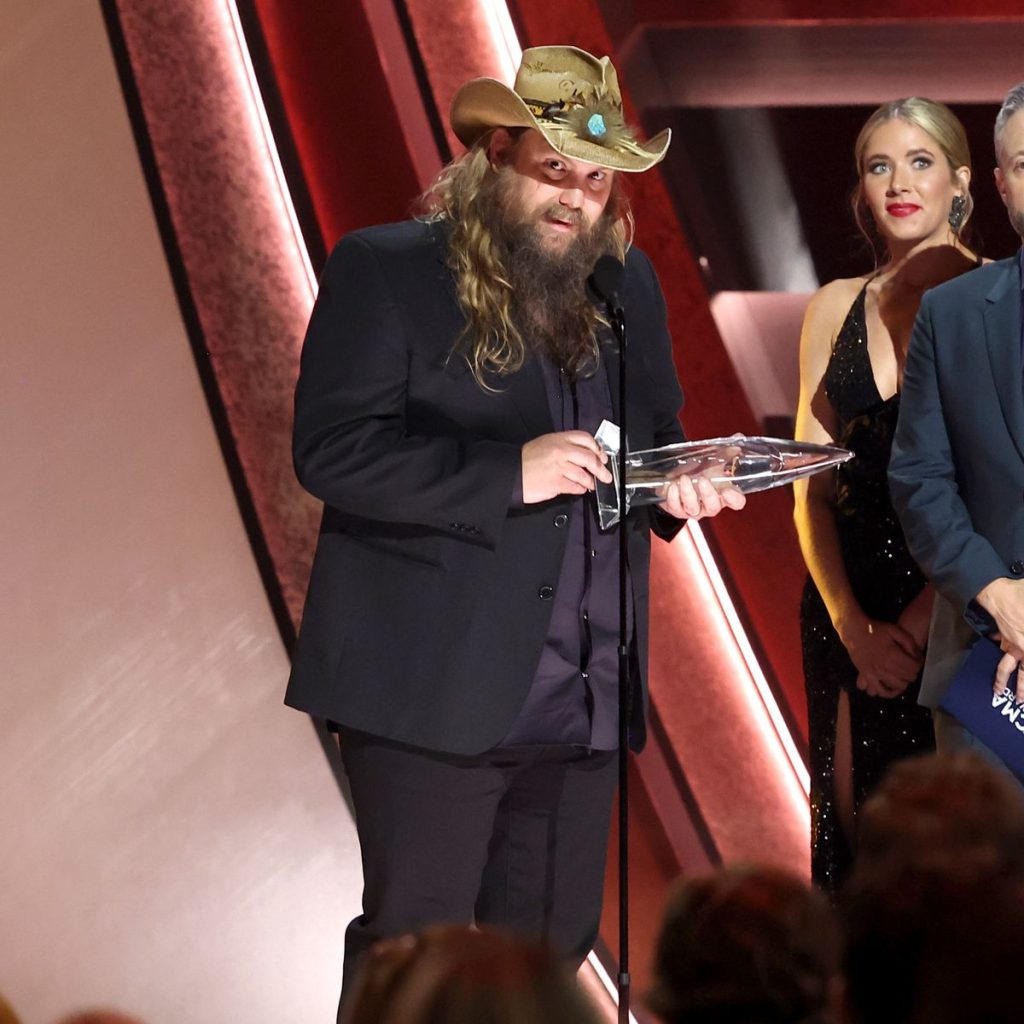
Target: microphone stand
<point>603,288</point>
<point>617,320</point>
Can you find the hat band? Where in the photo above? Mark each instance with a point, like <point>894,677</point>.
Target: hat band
<point>548,111</point>
<point>598,122</point>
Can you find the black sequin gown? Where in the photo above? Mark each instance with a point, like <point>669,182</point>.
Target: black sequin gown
<point>884,580</point>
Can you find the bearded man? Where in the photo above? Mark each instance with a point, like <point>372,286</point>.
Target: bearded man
<point>461,625</point>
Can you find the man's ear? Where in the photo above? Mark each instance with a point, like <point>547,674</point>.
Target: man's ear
<point>1001,184</point>
<point>499,147</point>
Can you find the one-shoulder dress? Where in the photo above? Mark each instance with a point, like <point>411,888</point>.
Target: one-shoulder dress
<point>884,579</point>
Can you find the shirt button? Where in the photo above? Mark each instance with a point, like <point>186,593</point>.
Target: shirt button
<point>1017,567</point>
<point>546,593</point>
<point>561,519</point>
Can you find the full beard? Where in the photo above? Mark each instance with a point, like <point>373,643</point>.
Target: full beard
<point>550,304</point>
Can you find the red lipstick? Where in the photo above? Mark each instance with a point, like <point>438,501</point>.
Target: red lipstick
<point>902,209</point>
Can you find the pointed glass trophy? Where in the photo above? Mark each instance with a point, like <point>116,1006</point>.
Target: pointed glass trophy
<point>746,463</point>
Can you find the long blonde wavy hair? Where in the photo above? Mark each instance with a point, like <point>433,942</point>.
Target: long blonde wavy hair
<point>491,342</point>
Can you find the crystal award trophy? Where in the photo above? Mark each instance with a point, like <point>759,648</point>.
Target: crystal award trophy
<point>746,463</point>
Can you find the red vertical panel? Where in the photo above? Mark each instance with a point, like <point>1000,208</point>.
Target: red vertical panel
<point>240,256</point>
<point>341,113</point>
<point>456,45</point>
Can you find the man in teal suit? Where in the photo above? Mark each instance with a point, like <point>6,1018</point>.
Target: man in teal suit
<point>957,469</point>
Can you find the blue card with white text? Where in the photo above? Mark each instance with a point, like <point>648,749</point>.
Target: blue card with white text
<point>996,719</point>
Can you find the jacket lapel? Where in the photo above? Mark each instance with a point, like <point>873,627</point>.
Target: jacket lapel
<point>526,390</point>
<point>1002,335</point>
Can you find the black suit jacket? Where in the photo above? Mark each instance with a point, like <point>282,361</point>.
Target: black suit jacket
<point>425,619</point>
<point>957,468</point>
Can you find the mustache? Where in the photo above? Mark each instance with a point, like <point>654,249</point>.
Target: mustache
<point>556,211</point>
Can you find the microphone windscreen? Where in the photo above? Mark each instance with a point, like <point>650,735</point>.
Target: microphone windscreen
<point>605,282</point>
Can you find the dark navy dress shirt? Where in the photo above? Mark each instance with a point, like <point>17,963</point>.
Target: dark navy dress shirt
<point>574,696</point>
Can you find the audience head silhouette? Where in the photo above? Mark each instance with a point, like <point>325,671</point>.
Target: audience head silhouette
<point>746,944</point>
<point>941,838</point>
<point>457,975</point>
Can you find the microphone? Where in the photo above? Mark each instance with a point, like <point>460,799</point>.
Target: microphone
<point>605,281</point>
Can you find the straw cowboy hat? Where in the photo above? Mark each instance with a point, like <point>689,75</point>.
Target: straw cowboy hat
<point>567,95</point>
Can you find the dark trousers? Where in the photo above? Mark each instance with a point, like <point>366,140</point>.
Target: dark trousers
<point>514,838</point>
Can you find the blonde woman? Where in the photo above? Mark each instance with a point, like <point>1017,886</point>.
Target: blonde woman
<point>865,611</point>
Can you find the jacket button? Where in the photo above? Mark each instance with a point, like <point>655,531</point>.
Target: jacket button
<point>1017,567</point>
<point>546,593</point>
<point>561,519</point>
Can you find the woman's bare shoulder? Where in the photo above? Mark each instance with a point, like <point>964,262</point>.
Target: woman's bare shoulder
<point>830,303</point>
<point>840,292</point>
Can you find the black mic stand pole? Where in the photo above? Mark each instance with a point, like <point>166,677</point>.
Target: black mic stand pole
<point>618,324</point>
<point>603,288</point>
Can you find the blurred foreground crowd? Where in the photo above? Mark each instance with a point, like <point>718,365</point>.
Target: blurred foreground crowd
<point>925,930</point>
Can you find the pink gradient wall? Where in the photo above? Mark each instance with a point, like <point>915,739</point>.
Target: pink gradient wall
<point>171,839</point>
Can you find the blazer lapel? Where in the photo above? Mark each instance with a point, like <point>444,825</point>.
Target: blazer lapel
<point>526,390</point>
<point>441,232</point>
<point>1002,335</point>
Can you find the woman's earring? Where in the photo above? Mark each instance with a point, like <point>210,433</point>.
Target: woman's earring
<point>957,213</point>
